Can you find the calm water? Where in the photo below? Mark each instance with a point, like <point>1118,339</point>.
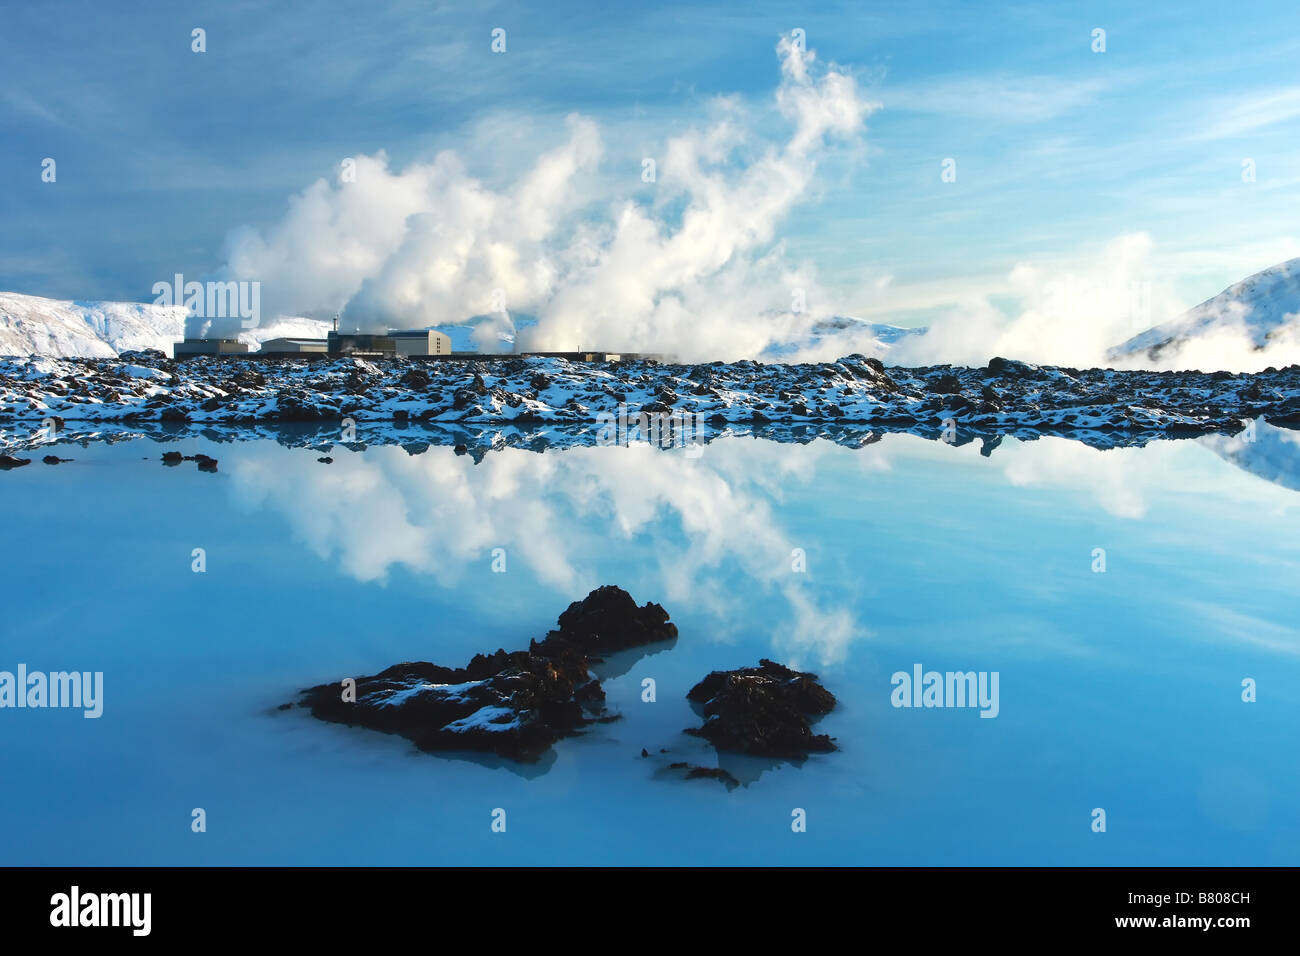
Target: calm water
<point>1120,690</point>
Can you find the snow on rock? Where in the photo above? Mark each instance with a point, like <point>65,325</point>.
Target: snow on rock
<point>396,400</point>
<point>515,704</point>
<point>144,371</point>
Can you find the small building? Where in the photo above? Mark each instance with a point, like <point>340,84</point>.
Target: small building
<point>285,346</point>
<point>415,343</point>
<point>421,342</point>
<point>209,347</point>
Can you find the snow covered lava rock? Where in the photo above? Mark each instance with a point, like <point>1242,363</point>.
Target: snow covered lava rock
<point>514,704</point>
<point>552,402</point>
<point>763,710</point>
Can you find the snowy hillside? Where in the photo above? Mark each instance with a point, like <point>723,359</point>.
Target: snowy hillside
<point>1261,312</point>
<point>886,335</point>
<point>31,325</point>
<point>838,336</point>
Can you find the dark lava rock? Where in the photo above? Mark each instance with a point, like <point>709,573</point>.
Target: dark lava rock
<point>416,379</point>
<point>206,463</point>
<point>8,461</point>
<point>54,460</point>
<point>763,710</point>
<point>515,704</point>
<point>946,385</point>
<point>325,460</point>
<point>172,458</point>
<point>608,620</point>
<point>1005,367</point>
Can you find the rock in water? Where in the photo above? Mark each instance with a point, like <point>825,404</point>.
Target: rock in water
<point>515,704</point>
<point>608,620</point>
<point>763,710</point>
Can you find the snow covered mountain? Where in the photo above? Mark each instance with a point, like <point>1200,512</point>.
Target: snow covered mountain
<point>1260,313</point>
<point>31,325</point>
<point>840,335</point>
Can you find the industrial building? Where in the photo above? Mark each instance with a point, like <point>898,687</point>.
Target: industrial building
<point>290,347</point>
<point>413,344</point>
<point>209,347</point>
<point>421,342</point>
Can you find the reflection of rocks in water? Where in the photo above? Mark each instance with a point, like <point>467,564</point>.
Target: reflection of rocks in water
<point>696,772</point>
<point>747,768</point>
<point>763,710</point>
<point>731,769</point>
<point>174,458</point>
<point>529,769</point>
<point>512,704</point>
<point>619,663</point>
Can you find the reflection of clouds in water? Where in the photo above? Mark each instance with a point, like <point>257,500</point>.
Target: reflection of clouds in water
<point>429,512</point>
<point>1119,482</point>
<point>825,634</point>
<point>437,513</point>
<point>1126,482</point>
<point>703,520</point>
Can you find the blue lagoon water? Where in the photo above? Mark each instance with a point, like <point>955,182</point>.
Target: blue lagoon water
<point>1118,689</point>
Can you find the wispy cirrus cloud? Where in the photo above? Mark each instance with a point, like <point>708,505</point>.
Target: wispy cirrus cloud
<point>1242,115</point>
<point>999,97</point>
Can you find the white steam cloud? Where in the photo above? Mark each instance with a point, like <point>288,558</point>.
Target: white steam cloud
<point>697,272</point>
<point>694,266</point>
<point>1078,316</point>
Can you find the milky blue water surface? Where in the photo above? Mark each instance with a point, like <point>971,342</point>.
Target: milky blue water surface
<point>1119,690</point>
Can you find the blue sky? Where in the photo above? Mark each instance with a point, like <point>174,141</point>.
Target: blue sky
<point>162,152</point>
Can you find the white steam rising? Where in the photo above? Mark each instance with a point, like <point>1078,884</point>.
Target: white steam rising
<point>696,273</point>
<point>1086,316</point>
<point>695,267</point>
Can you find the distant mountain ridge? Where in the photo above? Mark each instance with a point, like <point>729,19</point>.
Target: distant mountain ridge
<point>1264,306</point>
